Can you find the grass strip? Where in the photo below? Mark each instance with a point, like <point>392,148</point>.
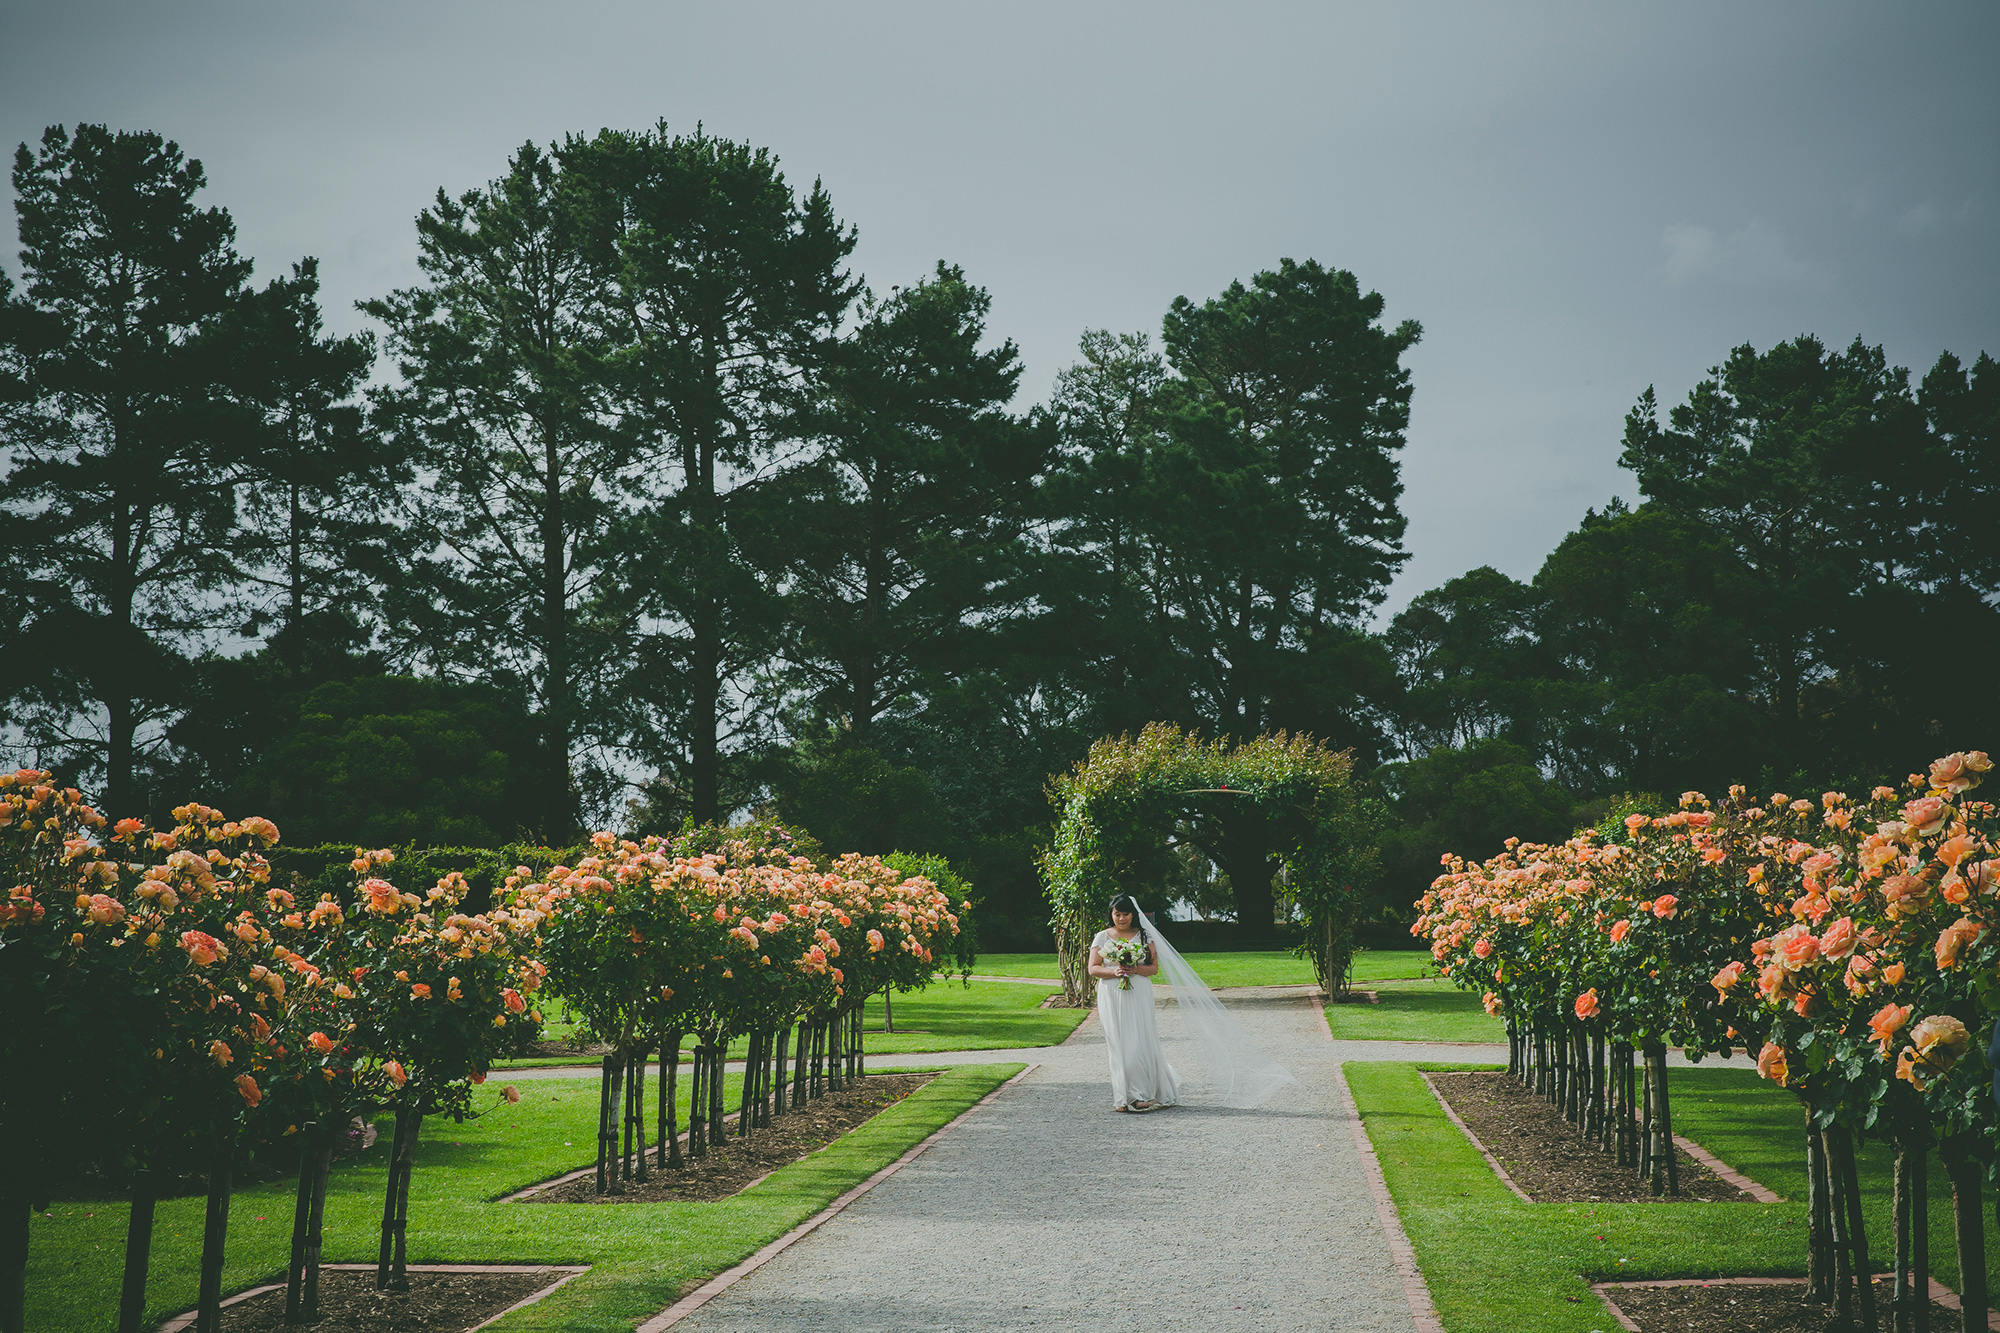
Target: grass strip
<point>1497,1265</point>
<point>1424,1010</point>
<point>642,1255</point>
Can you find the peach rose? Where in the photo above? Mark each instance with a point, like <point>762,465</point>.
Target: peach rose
<point>1727,977</point>
<point>1888,1021</point>
<point>1771,1063</point>
<point>1491,1001</point>
<point>320,1042</point>
<point>421,991</point>
<point>1586,1004</point>
<point>1926,815</point>
<point>1483,949</point>
<point>1905,894</point>
<point>394,1069</point>
<point>246,1087</point>
<point>515,1004</point>
<point>1839,939</point>
<point>1956,849</point>
<point>1937,1042</point>
<point>1664,906</point>
<point>1797,948</point>
<point>1893,974</point>
<point>1952,942</point>
<point>219,1052</point>
<point>1620,929</point>
<point>202,949</point>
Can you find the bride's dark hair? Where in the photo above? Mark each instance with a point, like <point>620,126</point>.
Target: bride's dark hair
<point>1125,902</point>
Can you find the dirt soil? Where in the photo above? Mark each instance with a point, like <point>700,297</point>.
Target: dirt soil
<point>435,1303</point>
<point>551,1049</point>
<point>1765,1308</point>
<point>1549,1159</point>
<point>741,1162</point>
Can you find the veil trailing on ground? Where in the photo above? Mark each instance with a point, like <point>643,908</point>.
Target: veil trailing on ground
<point>1227,1059</point>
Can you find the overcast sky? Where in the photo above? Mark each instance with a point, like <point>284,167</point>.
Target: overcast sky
<point>1576,201</point>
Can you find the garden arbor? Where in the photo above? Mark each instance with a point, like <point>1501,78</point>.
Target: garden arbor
<point>1276,805</point>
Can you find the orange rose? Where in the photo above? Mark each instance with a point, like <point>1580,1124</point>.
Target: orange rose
<point>1893,974</point>
<point>1620,929</point>
<point>1771,1063</point>
<point>515,1004</point>
<point>219,1052</point>
<point>1726,978</point>
<point>247,1088</point>
<point>394,1069</point>
<point>320,1042</point>
<point>1491,1002</point>
<point>1586,1004</point>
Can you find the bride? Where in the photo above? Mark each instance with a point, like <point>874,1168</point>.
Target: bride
<point>1125,957</point>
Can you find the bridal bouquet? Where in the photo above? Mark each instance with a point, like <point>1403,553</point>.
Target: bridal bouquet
<point>1125,953</point>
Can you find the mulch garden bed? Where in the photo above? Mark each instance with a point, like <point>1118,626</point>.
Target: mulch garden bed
<point>435,1303</point>
<point>740,1163</point>
<point>1549,1159</point>
<point>1726,1307</point>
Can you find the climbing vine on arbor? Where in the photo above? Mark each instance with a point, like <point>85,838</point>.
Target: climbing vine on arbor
<point>1288,793</point>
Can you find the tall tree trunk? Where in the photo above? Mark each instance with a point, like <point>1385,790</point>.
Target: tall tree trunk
<point>121,723</point>
<point>214,1244</point>
<point>556,699</point>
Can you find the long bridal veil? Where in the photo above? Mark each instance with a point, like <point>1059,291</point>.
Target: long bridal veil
<point>1227,1059</point>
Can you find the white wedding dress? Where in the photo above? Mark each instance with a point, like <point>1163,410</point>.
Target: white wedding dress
<point>1223,1062</point>
<point>1139,1068</point>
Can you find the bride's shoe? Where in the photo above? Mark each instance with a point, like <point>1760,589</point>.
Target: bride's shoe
<point>1143,1107</point>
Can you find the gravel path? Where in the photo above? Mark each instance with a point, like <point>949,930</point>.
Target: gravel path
<point>1047,1210</point>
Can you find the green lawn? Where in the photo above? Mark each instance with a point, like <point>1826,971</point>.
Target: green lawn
<point>643,1255</point>
<point>945,1016</point>
<point>1497,1265</point>
<point>1432,1010</point>
<point>1274,968</point>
